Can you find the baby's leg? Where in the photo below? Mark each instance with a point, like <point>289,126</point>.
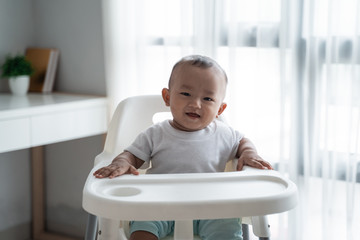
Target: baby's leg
<point>150,230</point>
<point>225,229</point>
<point>140,235</point>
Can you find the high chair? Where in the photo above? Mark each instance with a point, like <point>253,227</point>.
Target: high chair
<point>250,194</point>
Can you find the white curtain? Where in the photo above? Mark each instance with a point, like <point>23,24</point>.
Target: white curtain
<point>294,88</point>
<point>329,112</point>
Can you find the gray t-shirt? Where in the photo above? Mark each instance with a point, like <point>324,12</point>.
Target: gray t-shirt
<point>174,151</point>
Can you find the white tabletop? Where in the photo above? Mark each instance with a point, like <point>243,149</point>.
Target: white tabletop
<point>33,103</point>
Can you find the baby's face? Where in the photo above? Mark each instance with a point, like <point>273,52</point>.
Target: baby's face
<point>195,97</point>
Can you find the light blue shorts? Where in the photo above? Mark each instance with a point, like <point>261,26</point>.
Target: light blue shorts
<point>224,229</point>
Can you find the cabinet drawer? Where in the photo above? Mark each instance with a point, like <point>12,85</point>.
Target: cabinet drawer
<point>14,134</point>
<point>68,125</point>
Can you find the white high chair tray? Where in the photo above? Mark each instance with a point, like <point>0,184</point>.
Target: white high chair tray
<point>189,196</point>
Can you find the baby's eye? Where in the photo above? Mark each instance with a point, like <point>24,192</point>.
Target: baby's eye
<point>185,93</point>
<point>208,99</point>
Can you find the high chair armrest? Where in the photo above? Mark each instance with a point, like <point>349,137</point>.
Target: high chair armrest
<point>104,158</point>
<point>253,169</point>
<point>232,165</point>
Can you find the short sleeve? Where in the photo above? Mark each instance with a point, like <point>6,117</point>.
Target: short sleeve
<point>141,147</point>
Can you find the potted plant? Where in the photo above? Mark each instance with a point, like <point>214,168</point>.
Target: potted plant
<point>18,70</point>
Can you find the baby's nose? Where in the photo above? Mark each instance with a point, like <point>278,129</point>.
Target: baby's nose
<point>195,103</point>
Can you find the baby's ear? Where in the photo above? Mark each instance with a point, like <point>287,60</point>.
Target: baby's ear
<point>166,96</point>
<point>221,109</point>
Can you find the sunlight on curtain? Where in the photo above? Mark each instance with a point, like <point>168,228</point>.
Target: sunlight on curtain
<point>294,82</point>
<point>143,39</point>
<point>331,119</point>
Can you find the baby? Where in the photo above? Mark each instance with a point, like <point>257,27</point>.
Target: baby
<point>194,141</point>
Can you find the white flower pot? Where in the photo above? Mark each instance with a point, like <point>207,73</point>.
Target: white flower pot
<point>19,85</point>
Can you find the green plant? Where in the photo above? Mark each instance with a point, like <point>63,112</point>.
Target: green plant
<point>16,66</point>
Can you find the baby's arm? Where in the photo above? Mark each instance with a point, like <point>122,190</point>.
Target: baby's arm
<point>124,163</point>
<point>247,155</point>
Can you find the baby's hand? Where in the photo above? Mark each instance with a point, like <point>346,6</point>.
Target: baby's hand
<point>252,159</point>
<point>116,169</point>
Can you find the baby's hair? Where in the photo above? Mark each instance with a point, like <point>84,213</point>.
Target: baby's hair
<point>198,61</point>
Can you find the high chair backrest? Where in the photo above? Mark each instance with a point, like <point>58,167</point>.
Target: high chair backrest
<point>132,116</point>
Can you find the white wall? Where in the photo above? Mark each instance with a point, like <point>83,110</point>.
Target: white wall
<point>75,27</point>
<point>16,28</point>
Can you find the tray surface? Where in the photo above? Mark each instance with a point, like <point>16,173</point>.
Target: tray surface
<point>163,196</point>
<point>175,188</point>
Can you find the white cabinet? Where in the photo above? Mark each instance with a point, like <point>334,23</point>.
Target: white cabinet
<point>40,119</point>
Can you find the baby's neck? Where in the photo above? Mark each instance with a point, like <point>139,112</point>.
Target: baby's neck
<point>179,127</point>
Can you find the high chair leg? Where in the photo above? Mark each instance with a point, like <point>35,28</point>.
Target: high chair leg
<point>108,229</point>
<point>261,227</point>
<point>91,227</point>
<point>245,231</point>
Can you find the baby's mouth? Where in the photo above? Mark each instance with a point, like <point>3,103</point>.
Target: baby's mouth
<point>193,115</point>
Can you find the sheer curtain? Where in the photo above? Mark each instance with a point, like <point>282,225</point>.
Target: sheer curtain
<point>330,119</point>
<point>294,82</point>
